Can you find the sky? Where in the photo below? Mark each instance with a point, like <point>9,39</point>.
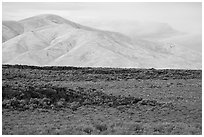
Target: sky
<point>181,16</point>
<point>128,18</point>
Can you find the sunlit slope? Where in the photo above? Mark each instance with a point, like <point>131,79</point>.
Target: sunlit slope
<point>52,40</point>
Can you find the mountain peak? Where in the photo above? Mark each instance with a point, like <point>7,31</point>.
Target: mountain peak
<point>43,16</point>
<point>44,20</point>
<point>49,39</point>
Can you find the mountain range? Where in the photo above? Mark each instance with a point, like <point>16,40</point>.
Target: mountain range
<point>50,40</point>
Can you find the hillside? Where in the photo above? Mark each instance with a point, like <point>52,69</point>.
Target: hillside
<point>50,40</point>
<point>11,29</point>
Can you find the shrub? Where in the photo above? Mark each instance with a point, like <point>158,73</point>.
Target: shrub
<point>6,103</point>
<point>60,103</point>
<point>101,127</point>
<point>88,130</point>
<point>136,128</point>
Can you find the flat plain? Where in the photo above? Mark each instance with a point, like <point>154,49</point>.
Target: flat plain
<point>70,100</point>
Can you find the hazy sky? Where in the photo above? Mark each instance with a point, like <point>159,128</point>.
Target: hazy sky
<point>184,17</point>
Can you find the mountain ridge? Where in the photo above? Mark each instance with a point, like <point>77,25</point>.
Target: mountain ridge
<point>52,40</point>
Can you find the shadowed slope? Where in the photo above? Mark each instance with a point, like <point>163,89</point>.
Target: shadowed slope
<point>11,29</point>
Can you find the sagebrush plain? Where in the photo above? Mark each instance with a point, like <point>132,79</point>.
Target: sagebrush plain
<point>70,100</point>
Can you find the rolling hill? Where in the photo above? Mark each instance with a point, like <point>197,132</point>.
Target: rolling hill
<point>50,40</point>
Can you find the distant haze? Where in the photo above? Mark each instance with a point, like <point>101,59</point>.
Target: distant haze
<point>177,22</point>
<point>182,16</point>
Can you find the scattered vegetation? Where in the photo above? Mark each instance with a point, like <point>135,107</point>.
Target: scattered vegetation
<point>94,74</point>
<point>70,100</point>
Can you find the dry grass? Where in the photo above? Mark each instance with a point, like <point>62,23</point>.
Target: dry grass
<point>102,105</point>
